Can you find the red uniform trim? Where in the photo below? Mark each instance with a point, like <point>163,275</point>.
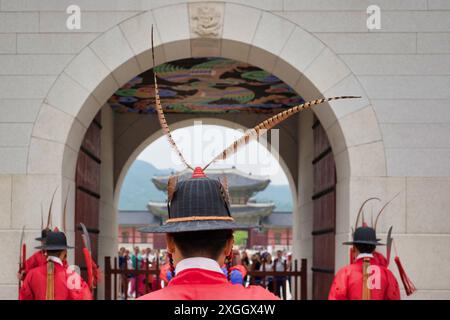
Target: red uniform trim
<point>200,284</point>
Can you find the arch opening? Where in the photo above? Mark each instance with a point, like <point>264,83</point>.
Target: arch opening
<point>258,197</point>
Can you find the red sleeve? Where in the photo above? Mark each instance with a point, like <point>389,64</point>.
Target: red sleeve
<point>339,288</point>
<point>25,292</point>
<point>392,289</point>
<point>240,268</point>
<point>82,293</point>
<point>78,288</point>
<point>31,263</point>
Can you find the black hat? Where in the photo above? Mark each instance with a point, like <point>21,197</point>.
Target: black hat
<point>197,204</point>
<point>55,240</point>
<point>364,235</point>
<point>44,233</point>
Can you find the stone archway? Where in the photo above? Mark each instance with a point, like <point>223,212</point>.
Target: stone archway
<point>246,34</point>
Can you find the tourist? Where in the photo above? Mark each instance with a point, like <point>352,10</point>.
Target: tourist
<point>246,263</point>
<point>135,264</point>
<point>122,263</point>
<point>267,265</point>
<point>280,281</point>
<point>245,260</point>
<point>255,266</point>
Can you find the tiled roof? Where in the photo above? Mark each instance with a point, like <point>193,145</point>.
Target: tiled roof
<point>137,218</point>
<point>145,218</point>
<point>237,210</point>
<point>236,179</point>
<point>278,219</point>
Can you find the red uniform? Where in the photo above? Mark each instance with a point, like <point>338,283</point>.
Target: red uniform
<point>348,283</point>
<point>35,285</point>
<point>201,284</point>
<point>37,259</point>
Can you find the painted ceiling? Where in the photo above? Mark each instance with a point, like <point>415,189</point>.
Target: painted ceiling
<point>206,85</point>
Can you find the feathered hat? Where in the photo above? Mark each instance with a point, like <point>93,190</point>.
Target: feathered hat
<point>365,234</point>
<point>201,203</point>
<point>56,240</point>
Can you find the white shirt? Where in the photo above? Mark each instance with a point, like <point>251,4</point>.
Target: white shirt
<point>364,255</point>
<point>55,259</point>
<point>198,263</point>
<point>280,264</point>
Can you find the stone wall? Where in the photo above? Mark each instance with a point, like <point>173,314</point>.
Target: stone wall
<point>47,73</point>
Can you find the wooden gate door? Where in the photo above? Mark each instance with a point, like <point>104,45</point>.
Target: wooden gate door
<point>324,199</point>
<point>87,181</point>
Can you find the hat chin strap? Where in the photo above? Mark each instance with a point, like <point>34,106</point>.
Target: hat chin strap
<point>200,218</point>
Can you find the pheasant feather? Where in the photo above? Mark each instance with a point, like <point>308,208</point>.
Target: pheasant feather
<point>42,216</point>
<point>65,211</point>
<point>162,119</point>
<point>224,189</point>
<point>268,124</point>
<point>361,210</point>
<point>171,185</point>
<point>382,209</point>
<point>49,217</point>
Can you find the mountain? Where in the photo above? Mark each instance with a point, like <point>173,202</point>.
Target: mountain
<point>138,189</point>
<point>280,194</point>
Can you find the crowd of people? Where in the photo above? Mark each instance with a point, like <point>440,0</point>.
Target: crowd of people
<point>263,261</point>
<point>135,285</point>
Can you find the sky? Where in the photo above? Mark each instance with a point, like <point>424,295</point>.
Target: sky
<point>200,143</point>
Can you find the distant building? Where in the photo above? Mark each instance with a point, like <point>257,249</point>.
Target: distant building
<point>129,224</point>
<point>241,187</point>
<point>273,229</point>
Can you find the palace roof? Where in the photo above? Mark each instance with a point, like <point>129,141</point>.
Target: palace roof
<point>250,209</point>
<point>146,218</point>
<point>237,180</point>
<point>280,219</point>
<point>137,218</point>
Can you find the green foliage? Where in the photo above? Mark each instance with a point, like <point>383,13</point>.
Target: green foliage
<point>240,237</point>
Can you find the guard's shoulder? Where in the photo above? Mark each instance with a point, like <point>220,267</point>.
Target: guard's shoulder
<point>36,272</point>
<point>40,268</point>
<point>346,269</point>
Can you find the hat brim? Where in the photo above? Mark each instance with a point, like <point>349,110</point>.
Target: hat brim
<point>44,247</point>
<point>39,239</point>
<point>375,243</point>
<point>190,226</point>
